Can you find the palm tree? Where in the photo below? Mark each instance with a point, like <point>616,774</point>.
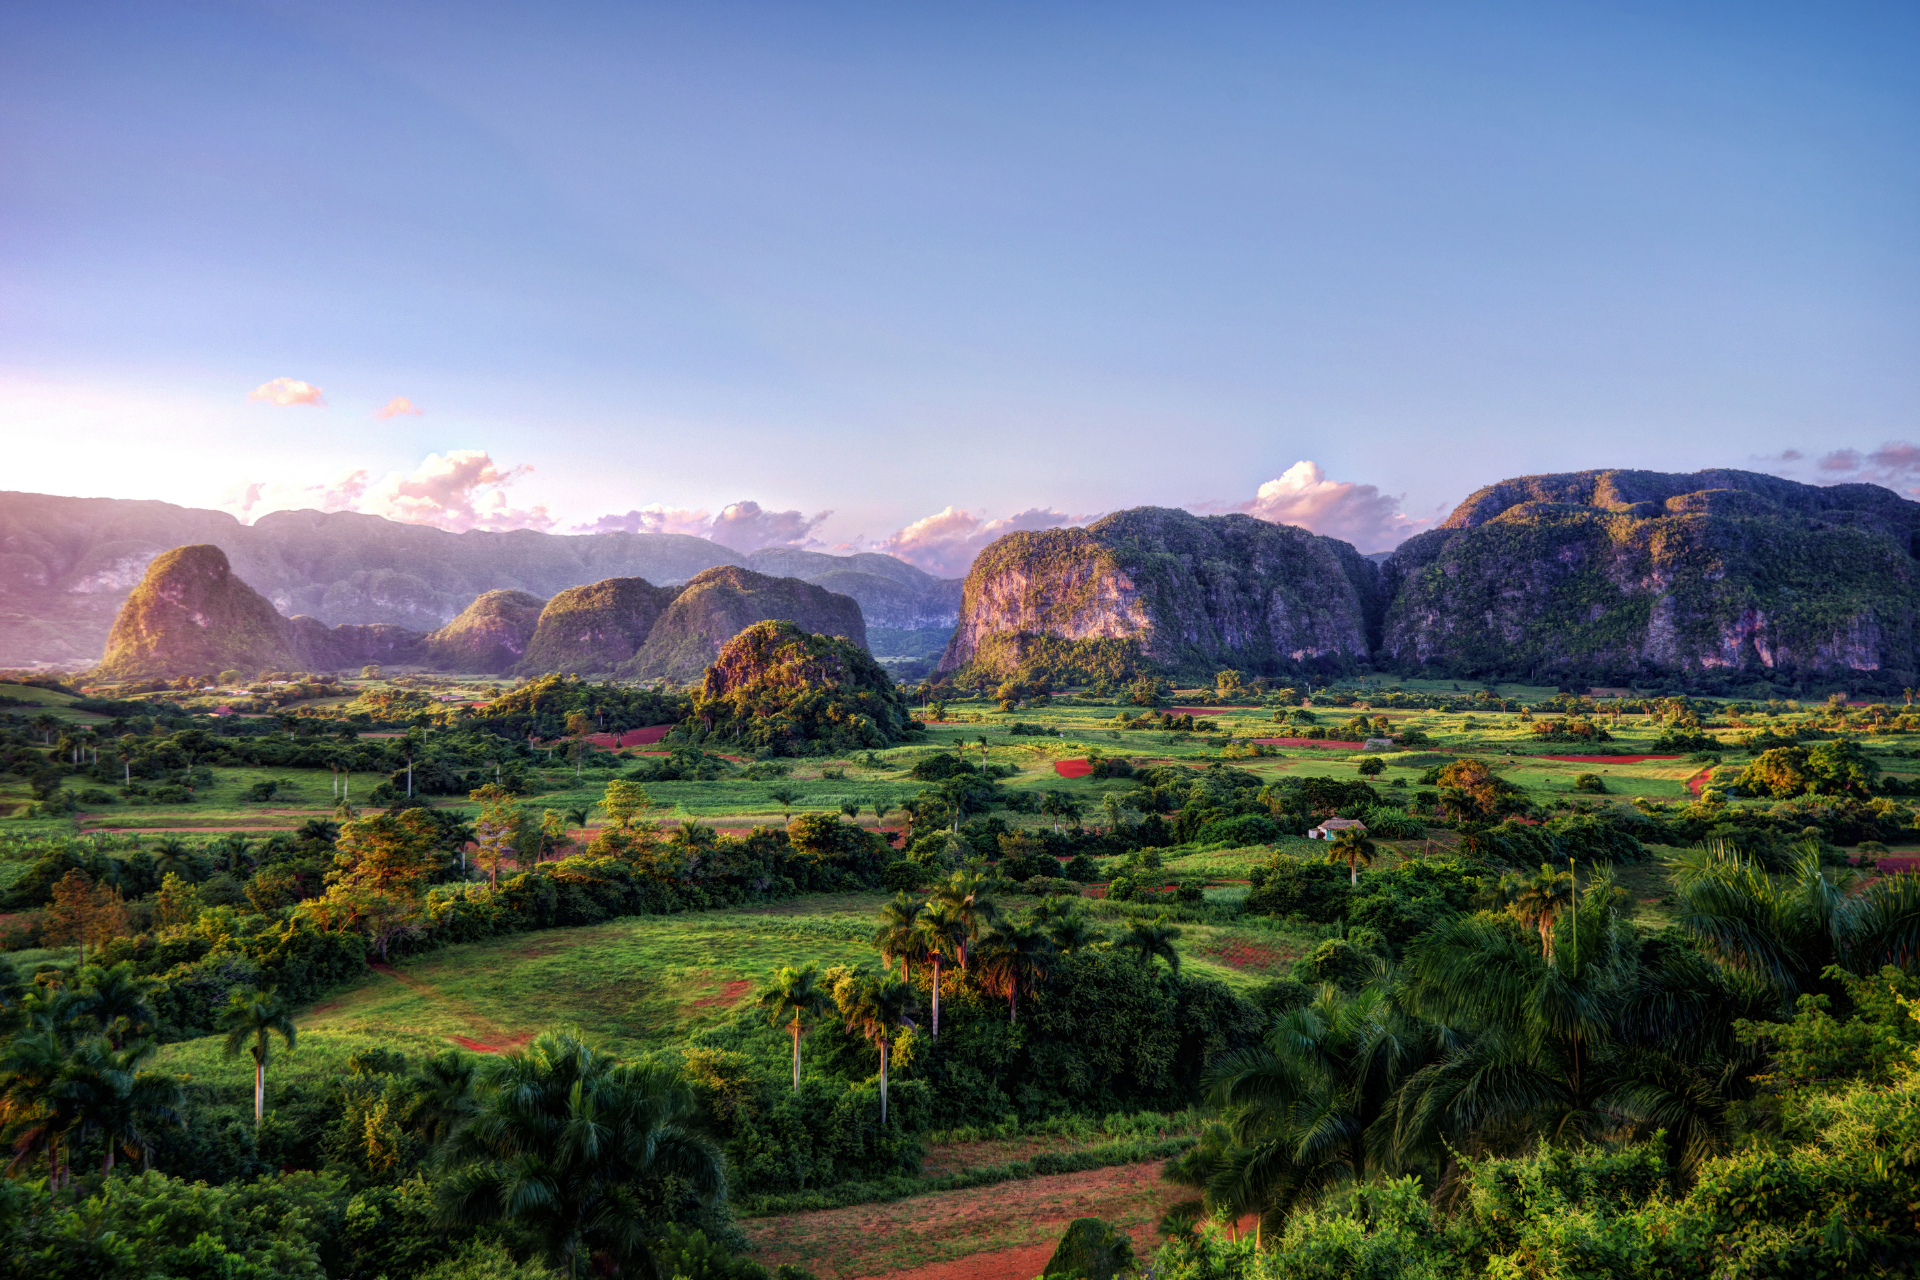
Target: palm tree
<point>1537,900</point>
<point>30,1069</point>
<point>257,1015</point>
<point>1016,958</point>
<point>103,1093</point>
<point>877,1008</point>
<point>1789,928</point>
<point>1151,940</point>
<point>897,934</point>
<point>570,1148</point>
<point>576,815</point>
<point>1072,934</point>
<point>442,1095</point>
<point>966,893</point>
<point>795,996</point>
<point>941,932</point>
<point>786,798</point>
<point>171,855</point>
<point>118,1001</point>
<point>1351,846</point>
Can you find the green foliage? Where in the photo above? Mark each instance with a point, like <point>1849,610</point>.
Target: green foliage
<point>776,690</point>
<point>1091,1250</point>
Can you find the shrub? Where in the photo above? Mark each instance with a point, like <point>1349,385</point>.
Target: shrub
<point>1247,829</point>
<point>1592,783</point>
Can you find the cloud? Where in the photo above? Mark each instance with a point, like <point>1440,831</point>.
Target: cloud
<point>253,499</point>
<point>945,544</point>
<point>745,526</point>
<point>463,490</point>
<point>654,518</point>
<point>1785,455</point>
<point>398,407</point>
<point>1895,463</point>
<point>288,391</point>
<point>1356,513</point>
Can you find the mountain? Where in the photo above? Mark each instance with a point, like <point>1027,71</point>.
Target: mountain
<point>892,593</point>
<point>720,603</point>
<point>190,614</point>
<point>68,564</point>
<point>1615,575</point>
<point>777,689</point>
<point>1183,592</point>
<point>596,628</point>
<point>490,635</point>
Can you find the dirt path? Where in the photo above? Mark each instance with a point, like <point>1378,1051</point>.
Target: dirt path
<point>488,1037</point>
<point>1002,1232</point>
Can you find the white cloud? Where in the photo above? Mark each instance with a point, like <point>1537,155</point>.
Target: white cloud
<point>463,490</point>
<point>743,526</point>
<point>288,391</point>
<point>945,544</point>
<point>654,518</point>
<point>1356,513</point>
<point>1895,463</point>
<point>398,407</point>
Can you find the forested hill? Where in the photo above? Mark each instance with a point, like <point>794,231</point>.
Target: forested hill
<point>1601,577</point>
<point>68,564</point>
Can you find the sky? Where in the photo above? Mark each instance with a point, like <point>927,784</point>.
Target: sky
<point>906,277</point>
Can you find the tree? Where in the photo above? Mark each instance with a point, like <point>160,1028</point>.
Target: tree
<point>172,856</point>
<point>1151,940</point>
<point>796,997</point>
<point>898,934</point>
<point>965,892</point>
<point>176,902</point>
<point>442,1095</point>
<point>1372,767</point>
<point>1537,900</point>
<point>1351,846</point>
<point>257,1015</point>
<point>498,828</point>
<point>876,1007</point>
<point>102,1093</point>
<point>569,1147</point>
<point>1014,959</point>
<point>117,1001</point>
<point>83,912</point>
<point>624,802</point>
<point>786,798</point>
<point>393,852</point>
<point>939,934</point>
<point>1227,682</point>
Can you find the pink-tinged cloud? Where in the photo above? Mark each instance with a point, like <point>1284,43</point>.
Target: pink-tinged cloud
<point>288,391</point>
<point>743,526</point>
<point>746,526</point>
<point>1356,513</point>
<point>463,490</point>
<point>654,518</point>
<point>946,543</point>
<point>398,407</point>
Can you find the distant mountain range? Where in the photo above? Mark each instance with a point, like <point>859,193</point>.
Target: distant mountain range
<point>68,564</point>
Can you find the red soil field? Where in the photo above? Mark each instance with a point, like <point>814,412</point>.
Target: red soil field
<point>1607,759</point>
<point>1072,768</point>
<point>1699,780</point>
<point>1309,742</point>
<point>1206,711</point>
<point>631,738</point>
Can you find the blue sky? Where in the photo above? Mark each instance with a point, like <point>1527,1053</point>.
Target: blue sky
<point>885,260</point>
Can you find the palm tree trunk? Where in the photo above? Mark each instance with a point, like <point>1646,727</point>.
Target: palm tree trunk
<point>883,1082</point>
<point>795,1031</point>
<point>936,997</point>
<point>106,1162</point>
<point>260,1087</point>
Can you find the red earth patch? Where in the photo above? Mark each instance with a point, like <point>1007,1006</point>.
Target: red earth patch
<point>1072,768</point>
<point>1606,759</point>
<point>631,738</point>
<point>1699,780</point>
<point>727,995</point>
<point>1253,955</point>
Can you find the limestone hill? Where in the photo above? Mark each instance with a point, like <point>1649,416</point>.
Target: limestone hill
<point>1166,588</point>
<point>721,603</point>
<point>776,688</point>
<point>190,613</point>
<point>595,628</point>
<point>490,635</point>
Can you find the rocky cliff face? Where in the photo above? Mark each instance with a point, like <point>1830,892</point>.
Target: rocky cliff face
<point>1611,575</point>
<point>68,564</point>
<point>720,603</point>
<point>489,636</point>
<point>191,614</point>
<point>1192,593</point>
<point>596,628</point>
